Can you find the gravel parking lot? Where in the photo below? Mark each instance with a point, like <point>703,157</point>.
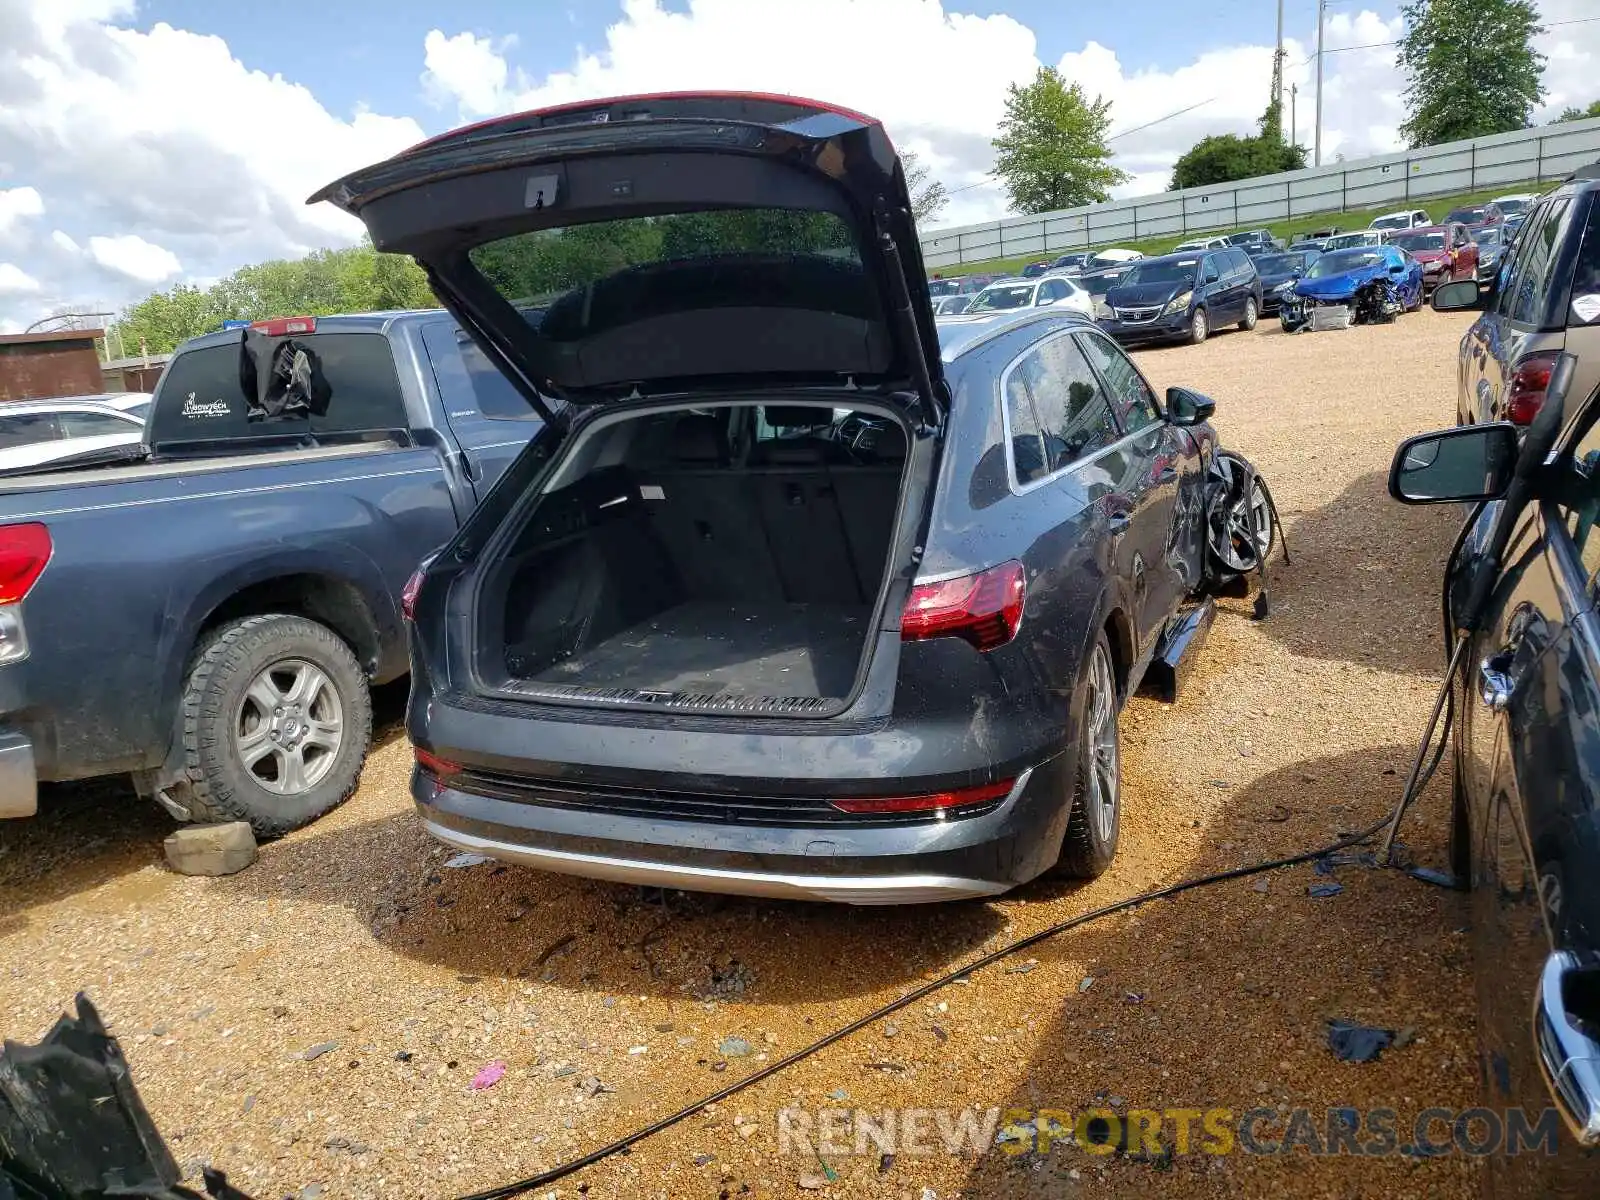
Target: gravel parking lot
<point>313,1025</point>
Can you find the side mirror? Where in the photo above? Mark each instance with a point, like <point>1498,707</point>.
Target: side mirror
<point>1188,408</point>
<point>1470,462</point>
<point>1459,296</point>
<point>1211,275</point>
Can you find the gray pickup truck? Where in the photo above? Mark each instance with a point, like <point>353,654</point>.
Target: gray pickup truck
<point>207,617</point>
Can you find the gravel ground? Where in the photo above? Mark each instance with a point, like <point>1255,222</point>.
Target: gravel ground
<point>313,1025</point>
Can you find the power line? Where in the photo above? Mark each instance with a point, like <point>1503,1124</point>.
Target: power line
<point>1396,42</point>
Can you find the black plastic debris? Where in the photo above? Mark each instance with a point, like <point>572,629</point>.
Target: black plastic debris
<point>1321,891</point>
<point>72,1125</point>
<point>1351,1041</point>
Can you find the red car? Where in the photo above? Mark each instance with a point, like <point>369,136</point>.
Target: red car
<point>1446,252</point>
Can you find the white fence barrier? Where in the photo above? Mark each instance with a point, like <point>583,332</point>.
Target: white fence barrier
<point>1548,153</point>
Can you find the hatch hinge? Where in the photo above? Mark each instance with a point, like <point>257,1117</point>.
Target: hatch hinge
<point>902,315</point>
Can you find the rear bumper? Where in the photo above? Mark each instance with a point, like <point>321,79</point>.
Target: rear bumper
<point>19,778</point>
<point>840,861</point>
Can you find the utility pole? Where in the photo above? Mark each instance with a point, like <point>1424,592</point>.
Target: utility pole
<point>1294,123</point>
<point>1322,12</point>
<point>1277,69</point>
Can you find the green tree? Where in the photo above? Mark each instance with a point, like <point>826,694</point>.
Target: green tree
<point>928,196</point>
<point>1470,67</point>
<point>1052,152</point>
<point>355,279</point>
<point>1226,157</point>
<point>1578,114</point>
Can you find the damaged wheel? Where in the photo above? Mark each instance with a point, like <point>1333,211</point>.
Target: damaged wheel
<point>1092,827</point>
<point>1234,517</point>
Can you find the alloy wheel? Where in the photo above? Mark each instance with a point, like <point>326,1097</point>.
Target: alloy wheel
<point>289,727</point>
<point>1105,766</point>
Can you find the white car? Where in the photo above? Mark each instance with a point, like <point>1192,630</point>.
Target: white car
<point>1349,241</point>
<point>1205,243</point>
<point>1055,291</point>
<point>1113,256</point>
<point>34,455</point>
<point>1410,219</point>
<point>1516,205</point>
<point>32,422</point>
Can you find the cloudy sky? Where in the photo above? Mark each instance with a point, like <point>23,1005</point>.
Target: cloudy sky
<point>149,142</point>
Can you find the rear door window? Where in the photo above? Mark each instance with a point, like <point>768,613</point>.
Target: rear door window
<point>200,399</point>
<point>1073,411</point>
<point>93,424</point>
<point>465,374</point>
<point>1027,442</point>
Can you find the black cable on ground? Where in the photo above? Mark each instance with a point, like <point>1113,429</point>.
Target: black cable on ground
<point>521,1186</point>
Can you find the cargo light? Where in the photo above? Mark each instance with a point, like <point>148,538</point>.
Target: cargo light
<point>986,793</point>
<point>1525,392</point>
<point>983,609</point>
<point>285,326</point>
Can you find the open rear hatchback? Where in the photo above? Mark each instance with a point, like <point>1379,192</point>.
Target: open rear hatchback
<point>718,304</point>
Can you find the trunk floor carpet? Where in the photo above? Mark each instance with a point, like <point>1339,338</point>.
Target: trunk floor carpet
<point>715,648</point>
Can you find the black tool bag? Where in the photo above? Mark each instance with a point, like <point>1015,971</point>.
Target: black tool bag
<point>281,379</point>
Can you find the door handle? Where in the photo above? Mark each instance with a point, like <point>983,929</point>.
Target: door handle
<point>1569,1059</point>
<point>1494,684</point>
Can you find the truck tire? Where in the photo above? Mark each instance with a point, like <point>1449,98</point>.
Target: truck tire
<point>275,722</point>
<point>1095,818</point>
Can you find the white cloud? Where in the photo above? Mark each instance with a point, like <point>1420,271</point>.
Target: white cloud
<point>17,203</point>
<point>160,135</point>
<point>64,242</point>
<point>129,254</point>
<point>14,279</point>
<point>465,70</point>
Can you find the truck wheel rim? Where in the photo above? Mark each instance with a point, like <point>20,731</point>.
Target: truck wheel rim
<point>1105,775</point>
<point>289,727</point>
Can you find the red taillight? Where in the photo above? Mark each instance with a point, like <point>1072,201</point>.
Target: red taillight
<point>985,609</point>
<point>285,326</point>
<point>986,793</point>
<point>1525,390</point>
<point>440,768</point>
<point>24,551</point>
<point>408,594</point>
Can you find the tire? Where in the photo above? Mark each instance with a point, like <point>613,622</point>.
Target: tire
<point>1251,312</point>
<point>316,744</point>
<point>1198,327</point>
<point>1094,822</point>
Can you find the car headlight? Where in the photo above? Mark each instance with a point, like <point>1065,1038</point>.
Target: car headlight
<point>1102,310</point>
<point>1178,303</point>
<point>1284,288</point>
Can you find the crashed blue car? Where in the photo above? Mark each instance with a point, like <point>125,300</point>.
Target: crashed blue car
<point>1376,284</point>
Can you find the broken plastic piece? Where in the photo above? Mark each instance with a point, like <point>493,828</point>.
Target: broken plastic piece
<point>1321,891</point>
<point>1354,1042</point>
<point>1438,878</point>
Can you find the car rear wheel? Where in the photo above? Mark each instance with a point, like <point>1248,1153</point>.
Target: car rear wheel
<point>275,723</point>
<point>1093,824</point>
<point>1250,314</point>
<point>1198,327</point>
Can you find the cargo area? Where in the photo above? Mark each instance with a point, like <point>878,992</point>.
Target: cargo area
<point>725,558</point>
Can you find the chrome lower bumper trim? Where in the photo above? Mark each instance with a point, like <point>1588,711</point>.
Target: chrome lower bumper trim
<point>843,889</point>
